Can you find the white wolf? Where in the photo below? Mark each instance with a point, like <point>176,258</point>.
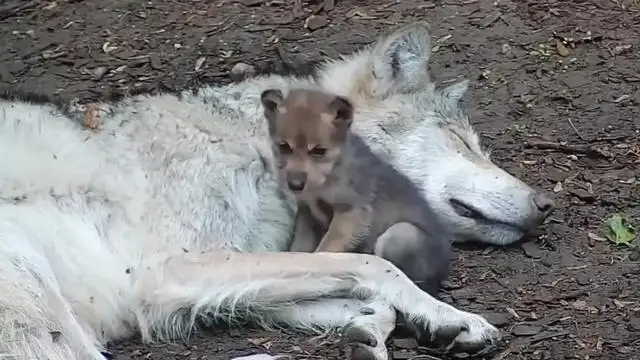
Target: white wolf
<point>169,214</point>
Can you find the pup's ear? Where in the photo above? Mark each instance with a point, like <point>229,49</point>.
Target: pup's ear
<point>271,100</point>
<point>342,110</point>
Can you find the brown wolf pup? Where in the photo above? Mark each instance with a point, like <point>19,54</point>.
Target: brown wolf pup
<point>348,197</point>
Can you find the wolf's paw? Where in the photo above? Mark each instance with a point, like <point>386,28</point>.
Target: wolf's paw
<point>364,344</point>
<point>365,334</point>
<point>468,333</point>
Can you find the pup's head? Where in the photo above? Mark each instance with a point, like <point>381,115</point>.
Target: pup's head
<point>308,130</point>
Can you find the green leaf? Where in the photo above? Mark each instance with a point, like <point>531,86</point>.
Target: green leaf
<point>619,231</point>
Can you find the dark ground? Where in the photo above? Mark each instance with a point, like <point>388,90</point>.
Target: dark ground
<point>567,293</point>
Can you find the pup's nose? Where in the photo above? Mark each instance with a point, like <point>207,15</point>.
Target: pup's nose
<point>296,182</point>
<point>296,185</point>
<point>543,203</point>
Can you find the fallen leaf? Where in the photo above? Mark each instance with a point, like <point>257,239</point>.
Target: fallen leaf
<point>91,118</point>
<point>619,231</point>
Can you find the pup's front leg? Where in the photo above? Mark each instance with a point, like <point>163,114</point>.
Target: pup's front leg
<point>305,238</point>
<point>347,229</point>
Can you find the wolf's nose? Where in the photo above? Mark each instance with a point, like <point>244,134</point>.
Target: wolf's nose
<point>543,203</point>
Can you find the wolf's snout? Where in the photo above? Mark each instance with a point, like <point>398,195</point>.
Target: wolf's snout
<point>296,181</point>
<point>543,203</point>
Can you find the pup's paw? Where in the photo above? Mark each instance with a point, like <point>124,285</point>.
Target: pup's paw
<point>469,333</point>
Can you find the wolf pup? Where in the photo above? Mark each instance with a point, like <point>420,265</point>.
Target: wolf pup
<point>348,197</point>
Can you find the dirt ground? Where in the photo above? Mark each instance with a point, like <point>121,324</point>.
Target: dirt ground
<point>554,92</point>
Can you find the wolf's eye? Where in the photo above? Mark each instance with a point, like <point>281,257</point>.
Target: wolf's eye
<point>318,151</point>
<point>284,148</point>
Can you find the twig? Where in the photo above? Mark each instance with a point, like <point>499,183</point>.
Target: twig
<point>567,149</point>
<point>572,295</point>
<point>545,336</point>
<point>13,10</point>
<point>532,340</point>
<point>576,130</point>
<point>425,357</point>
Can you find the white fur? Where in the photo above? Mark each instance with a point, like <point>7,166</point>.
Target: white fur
<point>136,227</point>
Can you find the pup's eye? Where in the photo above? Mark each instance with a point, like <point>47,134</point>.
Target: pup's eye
<point>318,151</point>
<point>284,148</point>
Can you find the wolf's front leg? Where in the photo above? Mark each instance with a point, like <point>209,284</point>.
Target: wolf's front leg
<point>346,229</point>
<point>173,293</point>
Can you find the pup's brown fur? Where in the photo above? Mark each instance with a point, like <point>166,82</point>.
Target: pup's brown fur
<point>348,196</point>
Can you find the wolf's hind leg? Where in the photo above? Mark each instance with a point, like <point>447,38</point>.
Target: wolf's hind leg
<point>425,260</point>
<point>36,322</point>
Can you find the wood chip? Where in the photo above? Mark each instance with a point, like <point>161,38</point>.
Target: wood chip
<point>561,49</point>
<point>200,62</point>
<point>531,250</point>
<point>526,330</point>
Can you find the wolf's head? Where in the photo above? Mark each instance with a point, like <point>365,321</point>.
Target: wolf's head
<point>425,132</point>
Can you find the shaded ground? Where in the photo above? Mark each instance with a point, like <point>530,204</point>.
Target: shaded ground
<point>562,117</point>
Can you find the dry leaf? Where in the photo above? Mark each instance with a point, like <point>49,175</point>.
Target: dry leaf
<point>91,118</point>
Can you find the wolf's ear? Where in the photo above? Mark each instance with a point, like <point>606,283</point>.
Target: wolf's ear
<point>342,110</point>
<point>400,60</point>
<point>271,101</point>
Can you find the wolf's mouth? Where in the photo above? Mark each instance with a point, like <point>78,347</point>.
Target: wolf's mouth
<point>469,211</point>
